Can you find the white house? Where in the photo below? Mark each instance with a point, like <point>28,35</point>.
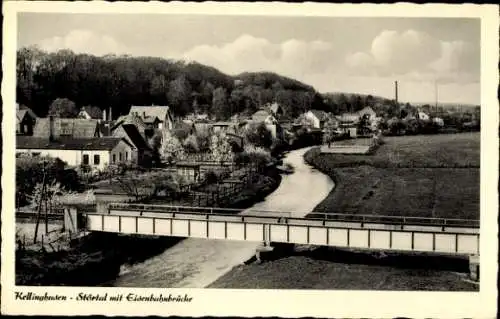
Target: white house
<point>437,120</point>
<point>94,152</point>
<point>423,116</point>
<point>265,116</point>
<point>317,118</point>
<point>367,111</point>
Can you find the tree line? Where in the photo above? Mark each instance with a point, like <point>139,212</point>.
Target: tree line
<point>118,82</point>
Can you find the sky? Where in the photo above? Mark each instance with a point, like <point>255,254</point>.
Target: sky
<point>333,54</point>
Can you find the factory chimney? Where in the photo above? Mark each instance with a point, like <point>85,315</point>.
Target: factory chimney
<point>396,91</point>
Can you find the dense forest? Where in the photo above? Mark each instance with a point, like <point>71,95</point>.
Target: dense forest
<point>118,82</point>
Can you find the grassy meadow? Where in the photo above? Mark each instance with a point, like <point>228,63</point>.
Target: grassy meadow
<point>424,176</point>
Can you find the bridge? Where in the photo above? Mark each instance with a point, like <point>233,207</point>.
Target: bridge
<point>449,236</point>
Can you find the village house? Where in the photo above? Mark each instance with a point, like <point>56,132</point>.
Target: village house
<point>141,152</point>
<point>265,116</point>
<point>275,109</point>
<point>223,127</point>
<point>95,153</point>
<point>423,116</point>
<point>92,113</point>
<point>25,120</point>
<point>367,111</point>
<point>134,120</point>
<point>156,117</point>
<point>317,118</point>
<point>54,127</point>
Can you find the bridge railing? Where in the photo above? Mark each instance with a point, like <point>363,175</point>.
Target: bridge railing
<point>321,216</point>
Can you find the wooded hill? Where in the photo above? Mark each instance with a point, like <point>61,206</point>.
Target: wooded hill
<point>121,81</point>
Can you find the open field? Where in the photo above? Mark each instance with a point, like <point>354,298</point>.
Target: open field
<point>425,176</point>
<point>446,150</point>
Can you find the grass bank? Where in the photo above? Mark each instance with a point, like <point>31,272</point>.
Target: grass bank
<point>330,268</point>
<point>425,176</point>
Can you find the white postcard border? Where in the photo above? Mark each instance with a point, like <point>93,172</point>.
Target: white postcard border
<point>289,303</point>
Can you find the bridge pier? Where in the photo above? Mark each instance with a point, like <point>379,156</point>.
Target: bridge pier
<point>265,247</point>
<point>71,220</point>
<point>474,267</point>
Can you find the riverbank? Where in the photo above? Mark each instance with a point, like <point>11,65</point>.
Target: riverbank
<point>99,257</point>
<point>197,262</point>
<point>438,179</point>
<point>330,268</point>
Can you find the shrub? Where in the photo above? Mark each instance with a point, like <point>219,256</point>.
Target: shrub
<point>221,148</point>
<point>171,149</point>
<point>191,144</point>
<point>211,177</point>
<point>203,139</point>
<point>254,155</point>
<point>258,135</point>
<point>29,173</point>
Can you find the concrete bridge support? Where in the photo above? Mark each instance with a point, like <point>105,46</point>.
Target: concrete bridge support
<point>71,220</point>
<point>265,247</point>
<point>474,267</point>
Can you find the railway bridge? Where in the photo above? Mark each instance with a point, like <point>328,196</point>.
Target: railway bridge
<point>386,233</point>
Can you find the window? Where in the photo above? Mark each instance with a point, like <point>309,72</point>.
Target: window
<point>114,158</point>
<point>120,156</point>
<point>85,159</point>
<point>65,129</point>
<point>126,156</point>
<point>97,159</point>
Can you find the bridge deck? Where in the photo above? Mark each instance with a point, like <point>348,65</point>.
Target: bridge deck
<point>396,233</point>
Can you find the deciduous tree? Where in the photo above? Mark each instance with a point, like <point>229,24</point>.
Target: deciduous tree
<point>64,108</point>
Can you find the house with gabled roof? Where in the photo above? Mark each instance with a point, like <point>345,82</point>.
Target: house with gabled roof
<point>95,152</point>
<point>367,111</point>
<point>317,118</point>
<point>158,117</point>
<point>89,113</point>
<point>141,151</point>
<point>25,120</point>
<point>54,127</point>
<point>131,119</point>
<point>266,116</point>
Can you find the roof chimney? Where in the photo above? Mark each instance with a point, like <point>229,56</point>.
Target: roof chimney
<point>110,115</point>
<point>51,128</point>
<point>104,115</point>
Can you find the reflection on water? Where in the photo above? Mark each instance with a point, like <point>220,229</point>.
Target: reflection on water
<point>196,263</point>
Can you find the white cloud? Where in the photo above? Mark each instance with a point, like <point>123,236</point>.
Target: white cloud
<point>248,53</point>
<point>457,56</point>
<point>416,56</point>
<point>83,41</point>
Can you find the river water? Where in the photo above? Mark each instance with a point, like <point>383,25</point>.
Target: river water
<point>196,263</point>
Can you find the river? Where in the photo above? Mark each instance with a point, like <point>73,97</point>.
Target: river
<point>196,263</point>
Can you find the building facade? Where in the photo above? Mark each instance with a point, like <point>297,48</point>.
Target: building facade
<point>95,153</point>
